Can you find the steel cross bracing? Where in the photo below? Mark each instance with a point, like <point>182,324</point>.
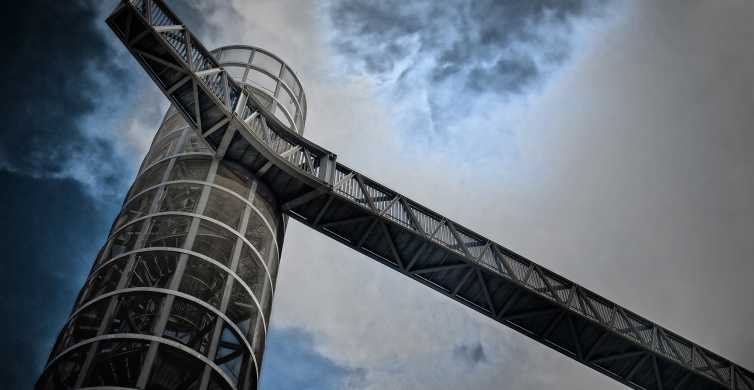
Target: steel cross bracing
<point>404,235</point>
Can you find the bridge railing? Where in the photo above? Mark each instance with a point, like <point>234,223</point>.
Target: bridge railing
<point>477,249</point>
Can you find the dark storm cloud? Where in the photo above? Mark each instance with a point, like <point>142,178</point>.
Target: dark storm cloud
<point>51,232</point>
<point>292,362</point>
<point>472,354</point>
<point>489,46</point>
<point>55,71</point>
<point>58,69</point>
<point>198,14</point>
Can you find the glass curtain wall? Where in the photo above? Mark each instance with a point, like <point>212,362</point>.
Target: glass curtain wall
<point>179,296</point>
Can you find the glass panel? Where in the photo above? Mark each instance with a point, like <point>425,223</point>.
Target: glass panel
<point>273,262</point>
<point>190,168</point>
<point>266,301</point>
<point>264,202</point>
<point>215,241</point>
<point>291,82</point>
<point>251,271</point>
<point>181,197</point>
<point>235,72</point>
<point>286,100</point>
<point>174,121</point>
<point>193,143</point>
<point>266,62</point>
<point>260,237</point>
<point>231,354</point>
<point>191,325</point>
<point>136,208</point>
<point>242,310</point>
<point>224,207</point>
<point>153,269</point>
<point>204,280</point>
<point>299,121</point>
<point>216,382</point>
<point>235,55</point>
<point>232,179</point>
<point>282,117</point>
<point>149,178</point>
<point>104,281</point>
<point>175,370</point>
<point>117,363</point>
<point>168,230</point>
<point>123,241</point>
<point>260,80</point>
<point>84,326</point>
<point>63,374</point>
<point>257,341</point>
<point>162,148</point>
<point>135,313</point>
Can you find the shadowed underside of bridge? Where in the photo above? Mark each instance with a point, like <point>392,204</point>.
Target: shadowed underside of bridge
<point>423,245</point>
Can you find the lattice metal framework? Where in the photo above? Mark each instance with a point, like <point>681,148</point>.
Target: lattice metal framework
<point>404,235</point>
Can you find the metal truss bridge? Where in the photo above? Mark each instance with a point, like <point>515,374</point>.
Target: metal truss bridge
<point>410,238</point>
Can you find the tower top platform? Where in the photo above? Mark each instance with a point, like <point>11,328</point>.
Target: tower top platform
<point>275,86</point>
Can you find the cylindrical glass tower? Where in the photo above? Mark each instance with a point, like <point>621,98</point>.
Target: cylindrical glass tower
<point>179,297</point>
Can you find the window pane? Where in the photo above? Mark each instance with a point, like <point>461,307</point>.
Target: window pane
<point>204,280</point>
<point>123,241</point>
<point>235,72</point>
<point>117,363</point>
<point>251,271</point>
<point>162,148</point>
<point>242,310</point>
<point>82,327</point>
<point>136,208</point>
<point>153,269</point>
<point>65,371</point>
<point>135,313</point>
<point>168,230</point>
<point>181,197</point>
<point>257,341</point>
<point>224,207</point>
<point>190,169</point>
<point>174,121</point>
<point>194,143</point>
<point>233,179</point>
<point>291,82</point>
<point>190,324</point>
<point>299,121</point>
<point>149,178</point>
<point>260,237</point>
<point>282,117</point>
<point>265,203</point>
<point>104,281</point>
<point>231,355</point>
<point>260,80</point>
<point>286,100</point>
<point>175,370</point>
<point>216,382</point>
<point>266,62</point>
<point>235,55</point>
<point>215,241</point>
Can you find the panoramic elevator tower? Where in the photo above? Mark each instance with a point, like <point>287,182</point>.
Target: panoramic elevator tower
<point>179,297</point>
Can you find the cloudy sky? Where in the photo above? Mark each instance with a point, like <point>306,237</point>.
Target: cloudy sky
<point>609,141</point>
